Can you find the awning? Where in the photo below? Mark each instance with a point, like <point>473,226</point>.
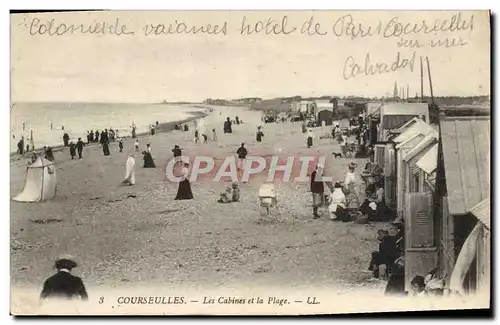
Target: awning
<point>418,127</point>
<point>428,162</point>
<point>482,212</point>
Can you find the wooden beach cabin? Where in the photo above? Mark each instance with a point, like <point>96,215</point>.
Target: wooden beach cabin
<point>462,202</point>
<point>417,212</point>
<point>324,112</point>
<point>394,115</point>
<point>404,143</point>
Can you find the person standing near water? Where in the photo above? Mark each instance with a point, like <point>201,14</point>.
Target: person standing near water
<point>214,136</point>
<point>105,142</point>
<point>134,135</point>
<point>79,147</point>
<point>136,145</point>
<point>66,139</point>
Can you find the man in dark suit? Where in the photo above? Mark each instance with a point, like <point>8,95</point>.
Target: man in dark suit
<point>63,284</point>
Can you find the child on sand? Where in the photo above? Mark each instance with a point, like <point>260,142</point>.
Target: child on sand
<point>136,145</point>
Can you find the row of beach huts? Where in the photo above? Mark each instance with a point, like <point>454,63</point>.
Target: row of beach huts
<point>437,179</point>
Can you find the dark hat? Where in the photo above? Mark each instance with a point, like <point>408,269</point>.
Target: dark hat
<point>242,144</point>
<point>176,147</point>
<point>337,185</point>
<point>65,263</point>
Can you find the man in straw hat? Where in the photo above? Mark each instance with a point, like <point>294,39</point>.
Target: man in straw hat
<point>63,284</point>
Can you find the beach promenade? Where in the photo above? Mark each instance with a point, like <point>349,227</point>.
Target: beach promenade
<point>128,235</point>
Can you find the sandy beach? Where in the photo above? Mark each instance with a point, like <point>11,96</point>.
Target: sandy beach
<point>149,239</point>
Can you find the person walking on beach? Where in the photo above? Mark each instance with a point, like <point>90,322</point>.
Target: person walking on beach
<point>196,136</point>
<point>214,135</point>
<point>63,284</point>
<point>237,120</point>
<point>20,146</point>
<point>134,135</point>
<point>120,144</point>
<point>310,138</point>
<point>260,134</point>
<point>205,138</point>
<point>228,126</point>
<point>105,142</point>
<point>90,136</point>
<point>79,147</point>
<point>242,155</point>
<point>317,189</point>
<point>136,145</point>
<point>184,191</point>
<point>96,136</point>
<point>153,130</point>
<point>66,139</point>
<point>72,150</point>
<point>130,170</point>
<point>177,151</point>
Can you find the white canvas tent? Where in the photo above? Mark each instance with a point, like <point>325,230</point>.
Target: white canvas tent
<point>40,183</point>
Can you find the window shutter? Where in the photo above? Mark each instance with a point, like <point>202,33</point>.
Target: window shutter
<point>420,213</point>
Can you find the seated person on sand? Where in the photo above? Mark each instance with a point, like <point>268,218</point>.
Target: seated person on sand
<point>232,194</point>
<point>383,260</point>
<point>337,208</point>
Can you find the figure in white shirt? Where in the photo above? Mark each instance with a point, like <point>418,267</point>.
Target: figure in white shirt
<point>338,202</point>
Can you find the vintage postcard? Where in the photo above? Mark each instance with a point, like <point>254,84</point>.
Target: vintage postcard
<point>249,162</point>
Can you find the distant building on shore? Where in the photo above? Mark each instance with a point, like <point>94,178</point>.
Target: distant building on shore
<point>323,111</point>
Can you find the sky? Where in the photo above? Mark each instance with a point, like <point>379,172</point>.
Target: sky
<point>178,67</point>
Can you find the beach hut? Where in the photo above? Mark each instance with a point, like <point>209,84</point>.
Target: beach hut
<point>462,203</point>
<point>404,143</point>
<point>417,208</point>
<point>324,112</point>
<point>394,115</point>
<point>304,106</point>
<point>40,182</point>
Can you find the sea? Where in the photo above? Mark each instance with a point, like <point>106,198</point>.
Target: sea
<point>46,121</point>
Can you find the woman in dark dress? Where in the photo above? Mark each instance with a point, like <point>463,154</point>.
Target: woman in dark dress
<point>148,160</point>
<point>72,150</point>
<point>184,190</point>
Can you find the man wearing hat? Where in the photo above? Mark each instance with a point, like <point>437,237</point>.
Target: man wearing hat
<point>63,284</point>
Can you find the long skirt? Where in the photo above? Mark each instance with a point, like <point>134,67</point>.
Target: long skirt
<point>184,191</point>
<point>318,199</point>
<point>148,161</point>
<point>105,148</point>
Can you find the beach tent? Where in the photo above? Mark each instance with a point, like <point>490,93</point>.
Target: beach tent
<point>40,182</point>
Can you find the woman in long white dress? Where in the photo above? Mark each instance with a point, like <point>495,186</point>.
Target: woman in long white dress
<point>130,170</point>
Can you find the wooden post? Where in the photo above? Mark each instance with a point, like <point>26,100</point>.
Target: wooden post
<point>430,79</point>
<point>421,80</point>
